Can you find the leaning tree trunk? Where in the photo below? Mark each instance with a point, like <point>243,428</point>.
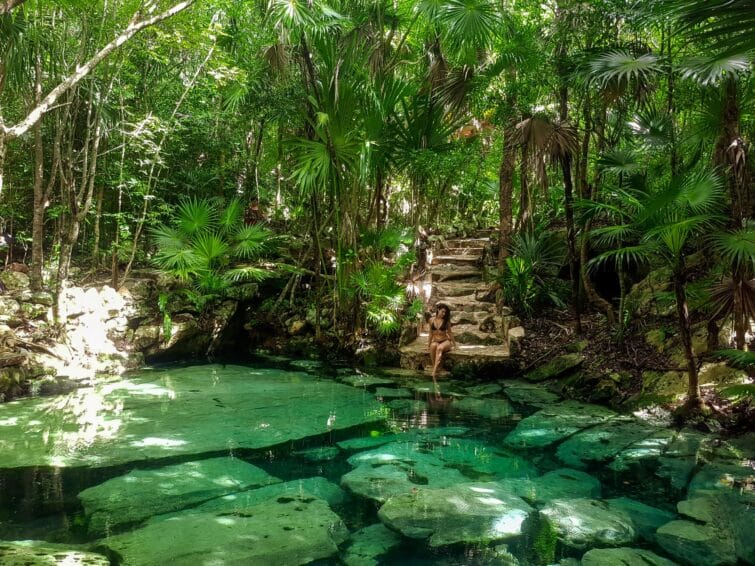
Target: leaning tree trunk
<point>685,332</point>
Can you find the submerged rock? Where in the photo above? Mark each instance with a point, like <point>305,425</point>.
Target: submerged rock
<point>35,553</point>
<point>483,390</point>
<point>645,518</point>
<point>558,484</point>
<point>623,557</point>
<point>585,523</point>
<point>530,394</point>
<point>319,454</point>
<point>174,412</point>
<point>486,408</point>
<point>464,513</point>
<point>556,422</point>
<point>141,494</point>
<point>318,487</point>
<point>368,544</point>
<point>557,367</point>
<point>602,442</point>
<point>699,545</point>
<point>284,530</point>
<point>726,513</point>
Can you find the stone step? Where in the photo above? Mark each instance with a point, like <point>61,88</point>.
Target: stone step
<point>462,251</point>
<point>474,317</point>
<point>468,260</point>
<point>471,334</point>
<point>456,288</point>
<point>458,274</point>
<point>466,242</point>
<point>468,303</point>
<point>415,356</point>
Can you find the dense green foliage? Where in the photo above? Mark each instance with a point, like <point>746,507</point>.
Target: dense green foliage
<point>621,127</point>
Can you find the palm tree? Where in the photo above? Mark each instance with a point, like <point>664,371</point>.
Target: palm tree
<point>556,141</point>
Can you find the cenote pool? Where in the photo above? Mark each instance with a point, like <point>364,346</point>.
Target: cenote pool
<point>288,462</point>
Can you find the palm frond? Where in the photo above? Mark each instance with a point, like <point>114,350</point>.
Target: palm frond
<point>736,248</point>
<point>470,22</point>
<point>622,66</point>
<point>231,216</point>
<point>628,256</point>
<point>196,216</point>
<point>211,248</point>
<point>712,70</point>
<point>253,241</point>
<point>653,126</point>
<point>741,359</point>
<point>701,192</point>
<point>730,24</point>
<point>614,235</point>
<point>620,161</point>
<point>247,273</point>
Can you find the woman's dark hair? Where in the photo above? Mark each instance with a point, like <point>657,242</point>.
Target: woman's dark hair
<point>447,318</point>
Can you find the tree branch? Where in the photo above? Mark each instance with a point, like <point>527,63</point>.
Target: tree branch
<point>7,5</point>
<point>48,101</point>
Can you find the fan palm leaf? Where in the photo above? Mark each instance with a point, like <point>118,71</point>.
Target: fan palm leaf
<point>712,70</point>
<point>470,22</point>
<point>737,248</point>
<point>728,23</point>
<point>196,216</point>
<point>621,67</point>
<point>251,242</point>
<point>211,248</point>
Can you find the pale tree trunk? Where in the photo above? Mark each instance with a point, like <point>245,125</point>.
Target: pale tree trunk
<point>97,226</point>
<point>38,214</point>
<point>8,133</point>
<point>685,331</point>
<point>7,5</point>
<point>152,177</point>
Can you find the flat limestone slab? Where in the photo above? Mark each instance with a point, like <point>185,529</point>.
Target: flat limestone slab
<point>464,513</point>
<point>180,411</point>
<point>556,422</point>
<point>283,530</point>
<point>34,553</point>
<point>142,494</point>
<point>586,523</point>
<point>602,442</point>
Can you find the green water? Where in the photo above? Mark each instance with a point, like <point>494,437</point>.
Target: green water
<point>287,452</point>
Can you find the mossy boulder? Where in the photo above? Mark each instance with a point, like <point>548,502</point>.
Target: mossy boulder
<point>14,281</point>
<point>557,367</point>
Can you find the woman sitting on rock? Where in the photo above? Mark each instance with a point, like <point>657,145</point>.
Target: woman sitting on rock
<point>441,339</point>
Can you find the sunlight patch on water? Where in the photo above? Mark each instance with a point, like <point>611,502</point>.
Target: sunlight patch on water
<point>163,442</point>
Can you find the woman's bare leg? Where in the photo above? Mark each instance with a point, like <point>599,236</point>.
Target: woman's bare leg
<point>433,353</point>
<point>442,348</point>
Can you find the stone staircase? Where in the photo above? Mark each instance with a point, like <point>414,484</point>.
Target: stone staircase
<point>454,273</point>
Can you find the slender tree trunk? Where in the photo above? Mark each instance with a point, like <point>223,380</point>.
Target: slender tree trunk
<point>731,155</point>
<point>525,199</point>
<point>586,192</point>
<point>571,239</point>
<point>685,332</point>
<point>505,197</point>
<point>38,214</point>
<point>97,226</point>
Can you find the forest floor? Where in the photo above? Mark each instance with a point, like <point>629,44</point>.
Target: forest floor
<point>553,333</point>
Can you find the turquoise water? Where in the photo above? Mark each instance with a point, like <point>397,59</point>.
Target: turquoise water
<point>283,462</point>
